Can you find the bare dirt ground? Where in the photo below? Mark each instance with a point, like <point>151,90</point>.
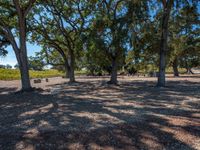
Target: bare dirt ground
<point>93,115</point>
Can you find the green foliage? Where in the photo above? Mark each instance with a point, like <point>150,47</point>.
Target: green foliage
<point>183,39</point>
<point>58,27</point>
<point>3,44</point>
<point>95,60</point>
<point>36,63</point>
<point>110,28</point>
<point>184,36</point>
<point>94,33</point>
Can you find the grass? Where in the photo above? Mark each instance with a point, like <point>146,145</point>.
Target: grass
<point>80,72</point>
<point>169,70</point>
<point>13,74</point>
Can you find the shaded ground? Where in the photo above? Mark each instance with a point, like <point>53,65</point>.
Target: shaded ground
<point>93,115</point>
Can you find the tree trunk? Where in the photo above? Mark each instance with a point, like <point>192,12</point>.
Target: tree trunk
<point>71,74</point>
<point>175,67</point>
<point>163,42</point>
<point>189,71</point>
<point>67,71</point>
<point>113,79</point>
<point>71,61</point>
<point>161,76</point>
<point>24,71</point>
<point>67,68</point>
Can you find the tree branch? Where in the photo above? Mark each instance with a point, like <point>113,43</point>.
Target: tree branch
<point>29,6</point>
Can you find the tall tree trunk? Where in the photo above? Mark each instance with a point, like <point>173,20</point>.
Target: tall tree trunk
<point>113,79</point>
<point>175,67</point>
<point>24,71</point>
<point>71,62</point>
<point>163,43</point>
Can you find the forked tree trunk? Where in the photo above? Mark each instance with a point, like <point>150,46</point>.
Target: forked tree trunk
<point>113,79</point>
<point>175,67</point>
<point>163,43</point>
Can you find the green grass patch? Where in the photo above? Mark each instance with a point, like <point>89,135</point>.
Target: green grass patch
<point>14,74</point>
<point>45,74</point>
<point>80,72</point>
<point>9,74</point>
<point>170,70</point>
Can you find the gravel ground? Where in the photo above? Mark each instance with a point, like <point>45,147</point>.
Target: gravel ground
<point>90,114</point>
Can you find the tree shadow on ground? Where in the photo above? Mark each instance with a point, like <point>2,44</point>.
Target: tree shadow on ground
<point>94,115</point>
<point>186,76</point>
<point>6,90</point>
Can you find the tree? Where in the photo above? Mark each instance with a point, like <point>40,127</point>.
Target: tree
<point>36,63</point>
<point>61,28</point>
<point>8,66</point>
<point>110,30</point>
<point>94,59</point>
<point>13,16</point>
<point>52,57</point>
<point>144,35</point>
<point>3,44</point>
<point>167,6</point>
<point>183,37</point>
<point>16,66</point>
<point>2,66</point>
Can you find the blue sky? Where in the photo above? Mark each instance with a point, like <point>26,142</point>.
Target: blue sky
<point>11,59</point>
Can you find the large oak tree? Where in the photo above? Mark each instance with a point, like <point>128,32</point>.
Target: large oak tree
<point>13,27</point>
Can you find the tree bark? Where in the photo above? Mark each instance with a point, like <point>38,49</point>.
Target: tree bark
<point>175,67</point>
<point>163,43</point>
<point>67,68</point>
<point>71,62</point>
<point>113,79</point>
<point>23,64</point>
<point>161,76</point>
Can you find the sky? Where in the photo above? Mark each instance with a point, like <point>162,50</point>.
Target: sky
<point>11,59</point>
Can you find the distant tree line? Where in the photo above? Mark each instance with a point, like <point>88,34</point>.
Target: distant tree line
<point>6,66</point>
